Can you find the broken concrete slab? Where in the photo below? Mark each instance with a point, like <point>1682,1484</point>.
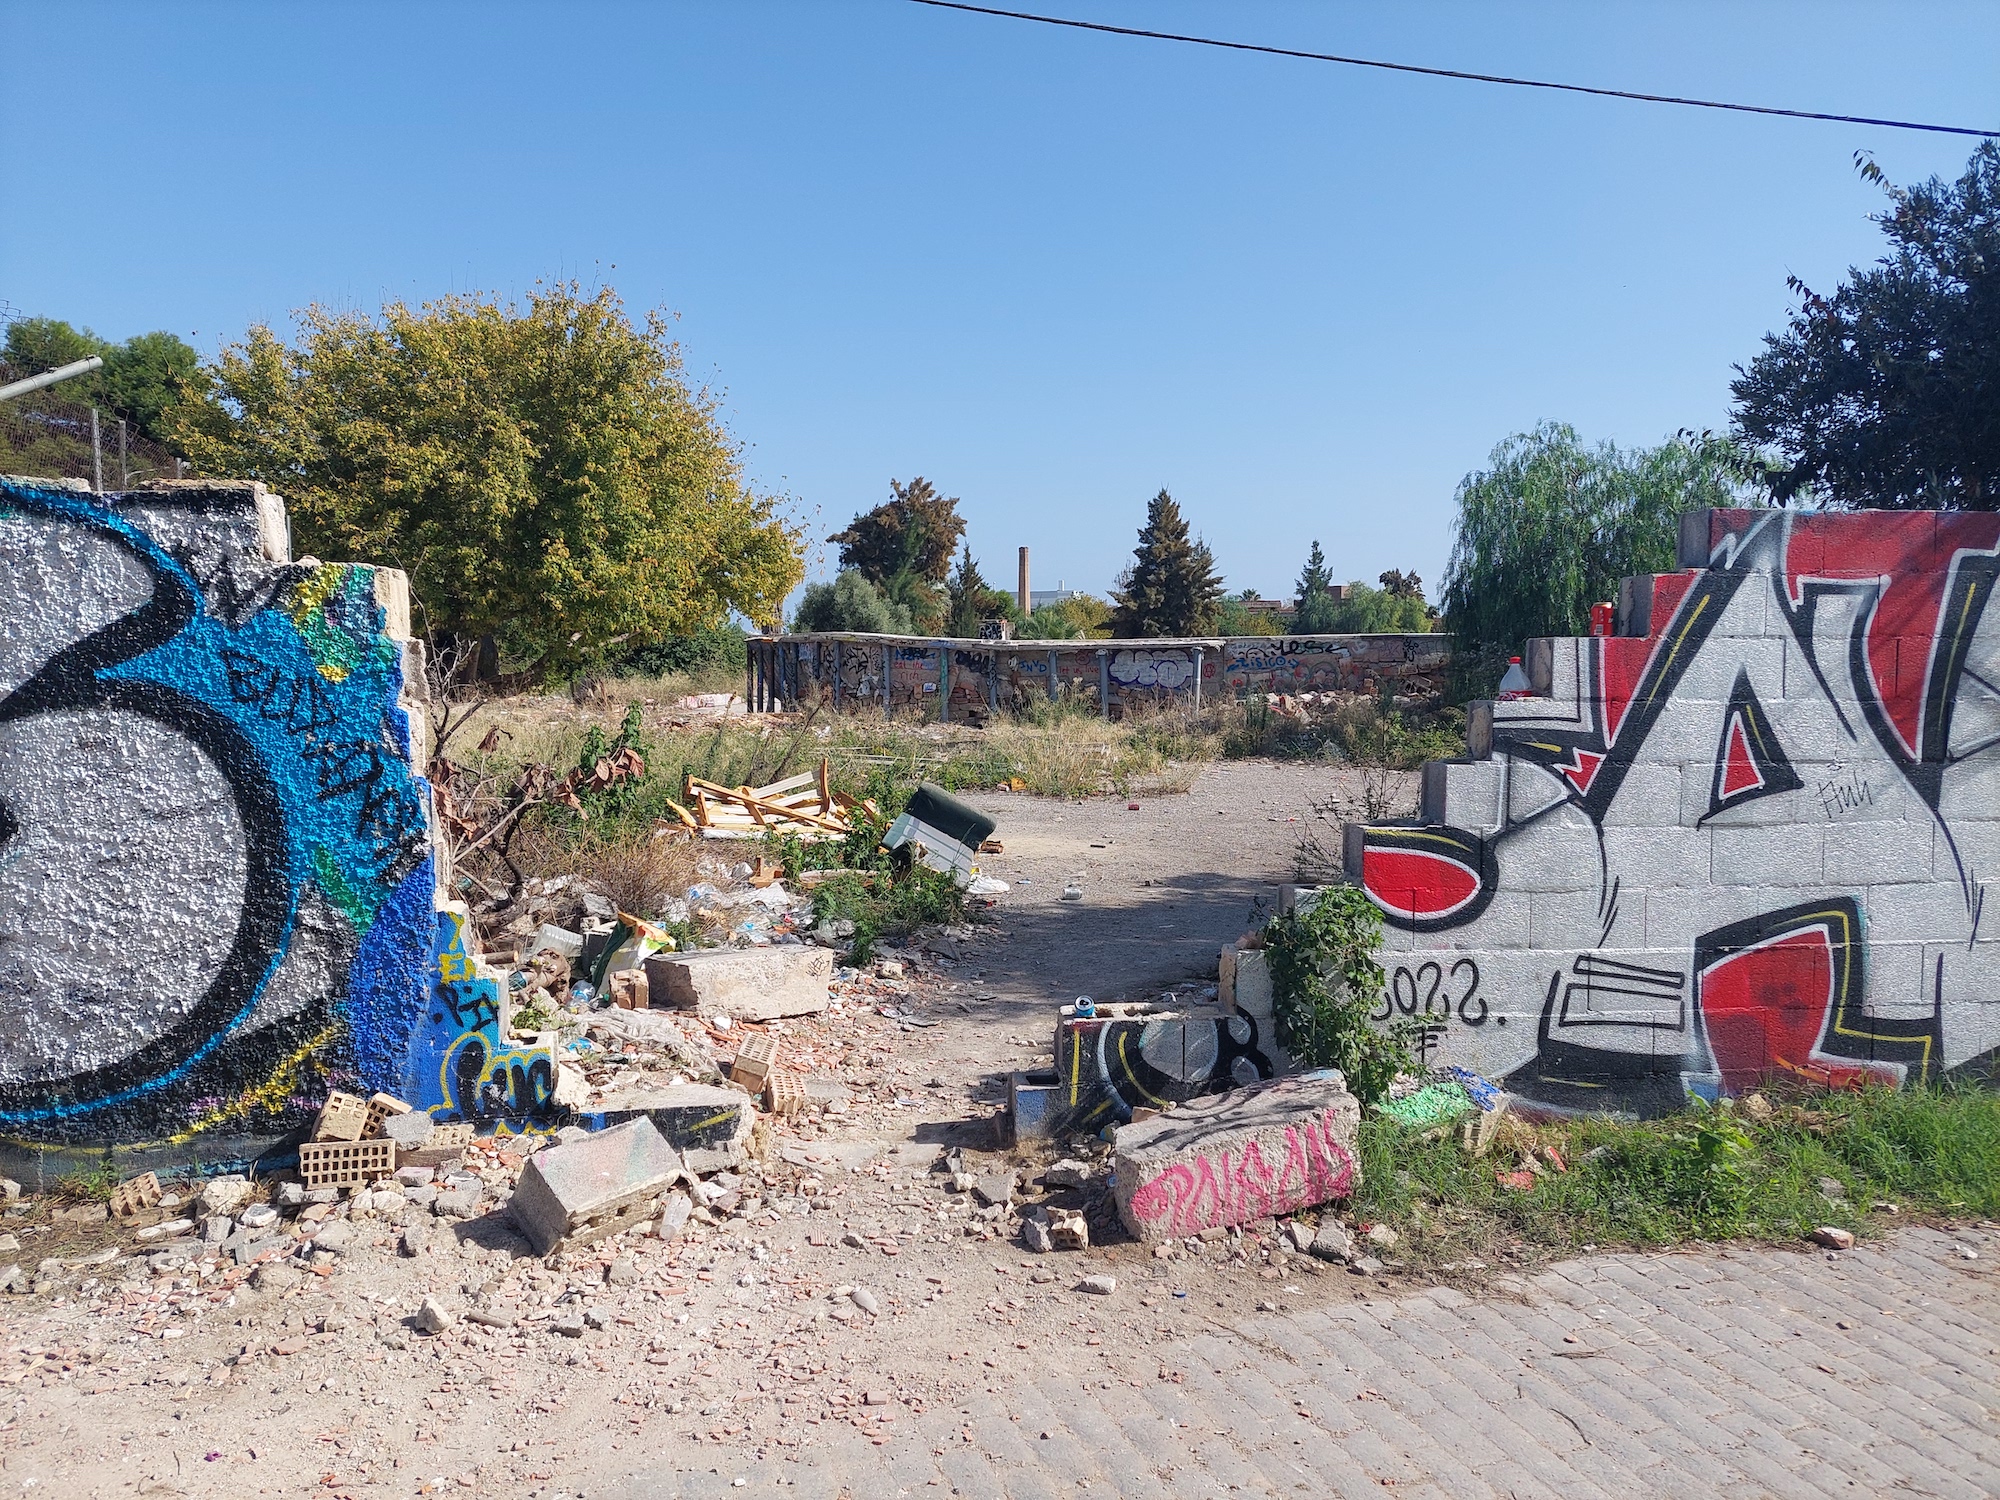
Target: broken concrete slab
<point>994,1188</point>
<point>746,984</point>
<point>709,1126</point>
<point>409,1131</point>
<point>583,1190</point>
<point>1237,1157</point>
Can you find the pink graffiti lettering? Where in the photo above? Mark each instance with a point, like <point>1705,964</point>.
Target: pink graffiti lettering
<point>1237,1185</point>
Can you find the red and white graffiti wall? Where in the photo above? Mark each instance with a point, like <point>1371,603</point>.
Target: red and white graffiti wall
<point>1750,836</point>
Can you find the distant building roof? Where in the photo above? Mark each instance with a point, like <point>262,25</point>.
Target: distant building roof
<point>1038,597</point>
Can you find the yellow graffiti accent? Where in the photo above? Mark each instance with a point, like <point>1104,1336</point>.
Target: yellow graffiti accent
<point>270,1094</point>
<point>454,963</point>
<point>1130,1076</point>
<point>309,598</point>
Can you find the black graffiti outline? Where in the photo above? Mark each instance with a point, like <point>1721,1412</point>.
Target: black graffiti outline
<point>69,681</point>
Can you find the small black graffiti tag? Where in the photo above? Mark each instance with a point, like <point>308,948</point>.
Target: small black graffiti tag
<point>1428,988</point>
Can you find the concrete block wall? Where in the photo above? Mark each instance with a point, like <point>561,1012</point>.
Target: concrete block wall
<point>1751,836</point>
<point>218,882</point>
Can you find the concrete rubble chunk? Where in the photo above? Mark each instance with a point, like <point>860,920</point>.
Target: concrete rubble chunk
<point>1067,1173</point>
<point>1833,1238</point>
<point>337,1236</point>
<point>624,1271</point>
<point>1035,1235</point>
<point>995,1188</point>
<point>434,1316</point>
<point>583,1190</point>
<point>1382,1237</point>
<point>409,1131</point>
<point>258,1216</point>
<point>568,1325</point>
<point>1333,1242</point>
<point>709,1126</point>
<point>746,984</point>
<point>1233,1158</point>
<point>1301,1233</point>
<point>866,1300</point>
<point>1098,1286</point>
<point>224,1195</point>
<point>1367,1265</point>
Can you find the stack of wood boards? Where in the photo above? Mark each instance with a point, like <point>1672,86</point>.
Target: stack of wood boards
<point>804,805</point>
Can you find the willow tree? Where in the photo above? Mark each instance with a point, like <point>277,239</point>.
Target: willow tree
<point>543,471</point>
<point>1549,528</point>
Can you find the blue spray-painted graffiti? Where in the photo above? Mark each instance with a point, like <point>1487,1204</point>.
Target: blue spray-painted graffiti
<point>215,877</point>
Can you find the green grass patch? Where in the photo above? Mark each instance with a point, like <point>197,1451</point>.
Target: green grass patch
<point>1700,1175</point>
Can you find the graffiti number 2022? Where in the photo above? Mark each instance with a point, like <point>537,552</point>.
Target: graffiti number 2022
<point>1427,990</point>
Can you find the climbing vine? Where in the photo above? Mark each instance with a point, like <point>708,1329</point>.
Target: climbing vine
<point>1325,982</point>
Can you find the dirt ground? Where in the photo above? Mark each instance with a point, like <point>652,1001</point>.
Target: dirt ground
<point>852,1287</point>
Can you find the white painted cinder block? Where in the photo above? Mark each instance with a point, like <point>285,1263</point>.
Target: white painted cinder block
<point>1669,856</point>
<point>1780,856</point>
<point>1867,853</point>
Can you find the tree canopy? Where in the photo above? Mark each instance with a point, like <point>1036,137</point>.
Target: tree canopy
<point>1172,587</point>
<point>544,472</point>
<point>1549,528</point>
<point>1887,393</point>
<point>141,380</point>
<point>850,602</point>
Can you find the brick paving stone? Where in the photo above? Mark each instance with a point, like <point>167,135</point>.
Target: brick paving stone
<point>1477,1402</point>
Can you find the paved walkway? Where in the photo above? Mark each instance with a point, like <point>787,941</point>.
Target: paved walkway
<point>1743,1373</point>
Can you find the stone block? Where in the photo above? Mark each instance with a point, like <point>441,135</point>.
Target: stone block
<point>409,1131</point>
<point>709,1127</point>
<point>583,1190</point>
<point>746,984</point>
<point>1237,1157</point>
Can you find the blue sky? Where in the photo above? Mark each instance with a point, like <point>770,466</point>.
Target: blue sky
<point>1050,271</point>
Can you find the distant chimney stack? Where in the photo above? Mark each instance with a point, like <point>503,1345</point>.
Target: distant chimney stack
<point>1022,600</point>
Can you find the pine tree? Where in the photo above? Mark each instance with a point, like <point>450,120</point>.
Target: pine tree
<point>1172,588</point>
<point>1313,608</point>
<point>968,592</point>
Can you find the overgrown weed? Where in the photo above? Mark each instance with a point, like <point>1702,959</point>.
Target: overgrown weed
<point>1700,1175</point>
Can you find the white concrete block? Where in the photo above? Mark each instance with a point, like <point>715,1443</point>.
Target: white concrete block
<point>1780,856</point>
<point>1871,853</point>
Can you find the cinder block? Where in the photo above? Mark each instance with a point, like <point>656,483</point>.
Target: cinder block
<point>134,1194</point>
<point>1787,855</point>
<point>1873,853</point>
<point>1648,797</point>
<point>325,1164</point>
<point>1657,858</point>
<point>1564,920</point>
<point>748,984</point>
<point>380,1108</point>
<point>585,1189</point>
<point>1236,1157</point>
<point>342,1118</point>
<point>1462,794</point>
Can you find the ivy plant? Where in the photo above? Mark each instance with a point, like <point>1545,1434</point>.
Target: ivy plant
<point>1326,986</point>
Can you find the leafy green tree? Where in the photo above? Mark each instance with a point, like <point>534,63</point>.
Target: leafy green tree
<point>1234,616</point>
<point>1887,393</point>
<point>1079,617</point>
<point>141,379</point>
<point>1172,588</point>
<point>1550,527</point>
<point>1401,585</point>
<point>1312,607</point>
<point>850,602</point>
<point>1372,611</point>
<point>913,533</point>
<point>544,472</point>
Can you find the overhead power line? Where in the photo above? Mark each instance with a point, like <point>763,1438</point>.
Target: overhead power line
<point>1393,67</point>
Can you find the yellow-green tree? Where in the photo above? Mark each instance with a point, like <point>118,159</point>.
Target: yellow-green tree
<point>544,472</point>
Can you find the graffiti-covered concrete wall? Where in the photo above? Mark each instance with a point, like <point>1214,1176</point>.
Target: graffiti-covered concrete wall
<point>217,880</point>
<point>1751,836</point>
<point>962,678</point>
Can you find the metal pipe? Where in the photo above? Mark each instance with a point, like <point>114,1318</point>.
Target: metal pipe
<point>993,681</point>
<point>944,683</point>
<point>1054,691</point>
<point>1024,596</point>
<point>1104,684</point>
<point>750,680</point>
<point>1197,679</point>
<point>96,455</point>
<point>50,377</point>
<point>888,703</point>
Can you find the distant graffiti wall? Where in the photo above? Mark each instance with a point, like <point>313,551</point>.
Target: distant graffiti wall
<point>963,678</point>
<point>217,883</point>
<point>1749,838</point>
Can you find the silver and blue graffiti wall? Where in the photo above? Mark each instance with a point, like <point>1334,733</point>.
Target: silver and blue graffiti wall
<point>217,888</point>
